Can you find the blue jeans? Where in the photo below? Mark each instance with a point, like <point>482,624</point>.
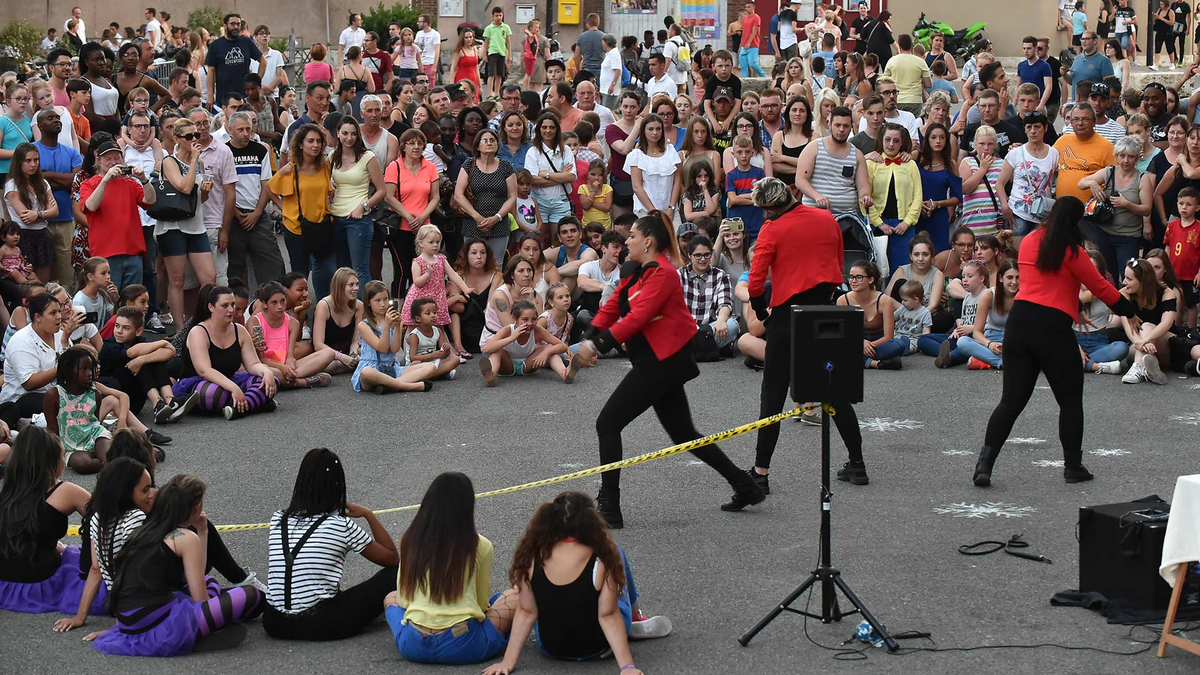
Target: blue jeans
<point>625,602</point>
<point>748,57</point>
<point>897,245</point>
<point>125,269</point>
<point>972,347</point>
<point>353,241</point>
<point>731,333</point>
<point>892,349</point>
<point>1099,349</point>
<point>930,343</point>
<point>322,268</point>
<point>479,641</point>
<point>1022,227</point>
<point>1116,250</point>
<point>1123,38</point>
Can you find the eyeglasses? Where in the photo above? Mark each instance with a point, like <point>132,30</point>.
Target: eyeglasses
<point>889,92</point>
<point>61,64</point>
<point>745,126</point>
<point>857,277</point>
<point>962,244</point>
<point>140,100</point>
<point>139,126</point>
<point>702,256</point>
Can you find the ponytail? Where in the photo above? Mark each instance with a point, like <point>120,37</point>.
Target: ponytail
<point>657,226</point>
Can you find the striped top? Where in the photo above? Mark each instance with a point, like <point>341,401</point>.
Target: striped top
<point>129,522</point>
<point>318,567</point>
<point>833,177</point>
<point>979,210</point>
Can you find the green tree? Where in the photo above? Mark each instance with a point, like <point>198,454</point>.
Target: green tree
<point>23,37</point>
<point>207,17</point>
<point>380,17</point>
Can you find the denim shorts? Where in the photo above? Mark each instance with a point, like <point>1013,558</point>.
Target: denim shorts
<point>174,243</point>
<point>553,209</point>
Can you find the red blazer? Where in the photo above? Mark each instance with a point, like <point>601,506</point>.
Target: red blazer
<point>656,309</point>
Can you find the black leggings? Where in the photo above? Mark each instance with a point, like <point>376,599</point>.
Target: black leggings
<point>777,373</point>
<point>220,559</point>
<point>402,245</point>
<point>27,406</point>
<point>152,376</point>
<point>1164,38</point>
<point>342,616</point>
<point>1039,339</point>
<point>660,387</point>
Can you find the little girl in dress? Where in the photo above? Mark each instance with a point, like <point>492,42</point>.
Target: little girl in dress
<point>16,267</point>
<point>429,274</point>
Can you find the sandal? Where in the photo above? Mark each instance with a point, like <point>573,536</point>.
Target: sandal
<point>464,355</point>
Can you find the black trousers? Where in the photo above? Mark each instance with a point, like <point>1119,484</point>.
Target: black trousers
<point>151,376</point>
<point>659,386</point>
<point>1039,339</point>
<point>402,245</point>
<point>27,406</point>
<point>342,616</point>
<point>777,371</point>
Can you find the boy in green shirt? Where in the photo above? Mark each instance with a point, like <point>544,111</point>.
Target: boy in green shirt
<point>496,42</point>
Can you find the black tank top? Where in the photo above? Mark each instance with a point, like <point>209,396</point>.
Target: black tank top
<point>41,558</point>
<point>149,578</point>
<point>1155,314</point>
<point>337,337</point>
<point>567,615</point>
<point>226,360</point>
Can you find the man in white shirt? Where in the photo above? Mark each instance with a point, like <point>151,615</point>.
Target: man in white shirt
<point>585,101</point>
<point>429,41</point>
<point>670,51</point>
<point>352,36</point>
<point>610,70</point>
<point>787,30</point>
<point>154,31</point>
<point>598,279</point>
<point>273,74</point>
<point>77,14</point>
<point>887,88</point>
<point>48,41</point>
<point>660,83</point>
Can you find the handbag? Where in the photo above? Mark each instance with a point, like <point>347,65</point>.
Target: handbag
<point>172,204</point>
<point>1042,204</point>
<point>1100,211</point>
<point>995,204</point>
<point>317,235</point>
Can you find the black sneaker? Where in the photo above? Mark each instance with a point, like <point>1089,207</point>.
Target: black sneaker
<point>1191,368</point>
<point>157,438</point>
<point>162,412</point>
<point>855,475</point>
<point>270,406</point>
<point>890,364</point>
<point>764,482</point>
<point>155,325</point>
<point>747,494</point>
<point>1077,474</point>
<point>753,364</point>
<point>179,409</point>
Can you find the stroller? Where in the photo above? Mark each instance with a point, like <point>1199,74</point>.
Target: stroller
<point>857,243</point>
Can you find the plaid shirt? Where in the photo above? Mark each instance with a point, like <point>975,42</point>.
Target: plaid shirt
<point>705,294</point>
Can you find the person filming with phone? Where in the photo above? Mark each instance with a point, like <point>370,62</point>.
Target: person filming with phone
<point>110,200</point>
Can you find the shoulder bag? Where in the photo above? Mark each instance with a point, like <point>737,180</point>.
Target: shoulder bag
<point>170,203</point>
<point>996,204</point>
<point>317,235</point>
<point>542,149</point>
<point>387,221</point>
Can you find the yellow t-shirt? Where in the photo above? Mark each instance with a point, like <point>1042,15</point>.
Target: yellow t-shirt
<point>907,70</point>
<point>595,215</point>
<point>422,611</point>
<point>314,192</point>
<point>1078,160</point>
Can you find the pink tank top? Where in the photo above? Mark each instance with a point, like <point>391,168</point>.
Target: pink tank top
<point>276,338</point>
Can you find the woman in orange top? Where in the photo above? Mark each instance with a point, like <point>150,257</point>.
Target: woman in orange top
<point>649,316</point>
<point>412,192</point>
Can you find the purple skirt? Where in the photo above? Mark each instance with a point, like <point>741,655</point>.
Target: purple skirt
<point>60,593</point>
<point>168,630</point>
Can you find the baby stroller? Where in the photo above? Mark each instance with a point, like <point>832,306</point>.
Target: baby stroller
<point>857,243</point>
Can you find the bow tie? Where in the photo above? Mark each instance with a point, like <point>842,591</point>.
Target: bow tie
<point>889,160</point>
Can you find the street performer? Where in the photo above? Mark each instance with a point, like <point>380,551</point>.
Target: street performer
<point>648,314</point>
<point>806,242</point>
<point>1039,336</point>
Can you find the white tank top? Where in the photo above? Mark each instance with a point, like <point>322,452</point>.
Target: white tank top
<point>379,147</point>
<point>516,350</point>
<point>104,101</point>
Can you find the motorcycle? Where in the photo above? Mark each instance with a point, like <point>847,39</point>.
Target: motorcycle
<point>958,42</point>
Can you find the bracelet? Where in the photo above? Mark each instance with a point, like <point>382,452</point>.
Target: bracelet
<point>627,667</point>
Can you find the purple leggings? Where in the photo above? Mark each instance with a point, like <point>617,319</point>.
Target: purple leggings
<point>224,608</point>
<point>214,397</point>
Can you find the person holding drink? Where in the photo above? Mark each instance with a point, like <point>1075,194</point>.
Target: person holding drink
<point>185,241</point>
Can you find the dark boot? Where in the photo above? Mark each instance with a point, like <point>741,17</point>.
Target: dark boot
<point>608,502</point>
<point>1077,474</point>
<point>983,468</point>
<point>746,493</point>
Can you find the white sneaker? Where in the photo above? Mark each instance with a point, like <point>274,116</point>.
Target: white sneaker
<point>452,374</point>
<point>252,580</point>
<point>166,318</point>
<point>1109,367</point>
<point>1136,374</point>
<point>654,627</point>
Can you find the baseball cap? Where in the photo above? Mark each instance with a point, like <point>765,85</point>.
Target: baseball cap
<point>685,229</point>
<point>107,147</point>
<point>455,91</point>
<point>1098,89</point>
<point>556,62</point>
<point>722,92</point>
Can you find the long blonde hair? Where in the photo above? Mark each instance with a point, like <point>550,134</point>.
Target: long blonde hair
<point>337,290</point>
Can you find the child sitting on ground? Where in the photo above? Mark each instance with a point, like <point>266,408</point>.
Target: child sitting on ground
<point>278,332</point>
<point>514,349</point>
<point>139,368</point>
<point>74,409</point>
<point>427,343</point>
<point>913,318</point>
<point>380,339</point>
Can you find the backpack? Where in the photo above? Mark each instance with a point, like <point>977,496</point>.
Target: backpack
<point>683,57</point>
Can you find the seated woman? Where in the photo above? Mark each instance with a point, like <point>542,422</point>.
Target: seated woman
<point>1150,330</point>
<point>991,250</point>
<point>518,285</point>
<point>221,364</point>
<point>37,574</point>
<point>985,345</point>
<point>443,610</point>
<point>381,339</point>
<point>752,343</point>
<point>962,249</point>
<point>155,616</point>
<point>523,347</point>
<point>297,305</point>
<point>943,346</point>
<point>881,348</point>
<point>31,360</point>
<point>477,266</point>
<point>570,573</point>
<point>75,317</point>
<point>529,245</point>
<point>279,332</point>
<point>920,268</point>
<point>334,320</point>
<point>308,544</point>
<point>1098,354</point>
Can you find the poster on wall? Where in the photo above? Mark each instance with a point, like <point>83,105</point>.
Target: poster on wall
<point>807,10</point>
<point>450,8</point>
<point>633,7</point>
<point>700,16</point>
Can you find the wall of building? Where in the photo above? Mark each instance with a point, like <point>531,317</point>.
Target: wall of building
<point>1007,23</point>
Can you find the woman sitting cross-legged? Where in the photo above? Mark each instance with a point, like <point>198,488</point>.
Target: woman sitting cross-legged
<point>441,611</point>
<point>165,606</point>
<point>572,574</point>
<point>37,574</point>
<point>1150,329</point>
<point>334,321</point>
<point>881,348</point>
<point>1091,329</point>
<point>221,364</point>
<point>381,339</point>
<point>985,345</point>
<point>280,331</point>
<point>309,542</point>
<point>515,350</point>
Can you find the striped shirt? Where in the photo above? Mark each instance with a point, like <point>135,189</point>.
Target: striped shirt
<point>318,567</point>
<point>833,177</point>
<point>706,293</point>
<point>980,212</point>
<point>129,522</point>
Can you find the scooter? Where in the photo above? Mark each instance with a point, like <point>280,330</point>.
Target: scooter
<point>958,42</point>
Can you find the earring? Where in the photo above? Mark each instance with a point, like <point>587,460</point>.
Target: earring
<point>646,249</point>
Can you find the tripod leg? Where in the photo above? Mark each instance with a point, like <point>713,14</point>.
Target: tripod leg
<point>777,609</point>
<point>866,613</point>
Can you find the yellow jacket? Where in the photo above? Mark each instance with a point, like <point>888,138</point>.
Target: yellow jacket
<point>908,190</point>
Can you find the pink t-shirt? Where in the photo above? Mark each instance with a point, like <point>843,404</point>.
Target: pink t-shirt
<point>318,71</point>
<point>412,190</point>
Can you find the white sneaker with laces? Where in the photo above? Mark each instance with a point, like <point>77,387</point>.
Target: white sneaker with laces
<point>1109,367</point>
<point>252,580</point>
<point>1136,374</point>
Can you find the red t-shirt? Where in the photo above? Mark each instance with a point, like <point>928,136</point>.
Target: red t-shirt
<point>1183,247</point>
<point>751,22</point>
<point>1059,289</point>
<point>114,228</point>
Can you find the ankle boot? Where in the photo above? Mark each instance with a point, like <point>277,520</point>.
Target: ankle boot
<point>608,502</point>
<point>746,493</point>
<point>983,468</point>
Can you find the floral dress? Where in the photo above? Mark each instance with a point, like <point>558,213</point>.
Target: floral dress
<point>80,249</point>
<point>435,288</point>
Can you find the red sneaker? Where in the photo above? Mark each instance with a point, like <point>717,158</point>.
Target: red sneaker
<point>978,364</point>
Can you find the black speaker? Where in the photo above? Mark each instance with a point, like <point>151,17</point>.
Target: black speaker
<point>827,353</point>
<point>1120,548</point>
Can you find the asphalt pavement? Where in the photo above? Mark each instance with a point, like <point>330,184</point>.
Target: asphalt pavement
<point>715,574</point>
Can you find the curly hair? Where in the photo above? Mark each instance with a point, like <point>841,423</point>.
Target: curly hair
<point>574,515</point>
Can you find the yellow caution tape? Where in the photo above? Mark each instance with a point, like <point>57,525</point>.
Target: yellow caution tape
<point>73,531</point>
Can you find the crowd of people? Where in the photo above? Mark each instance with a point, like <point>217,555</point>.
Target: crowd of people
<point>137,213</point>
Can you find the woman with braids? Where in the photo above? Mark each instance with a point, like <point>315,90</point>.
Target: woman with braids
<point>164,604</point>
<point>1038,337</point>
<point>576,585</point>
<point>648,315</point>
<point>37,575</point>
<point>309,542</point>
<point>441,611</point>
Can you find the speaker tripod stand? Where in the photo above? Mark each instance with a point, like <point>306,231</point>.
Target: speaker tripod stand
<point>826,574</point>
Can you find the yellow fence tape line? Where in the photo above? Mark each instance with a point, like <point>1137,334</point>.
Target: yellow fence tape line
<point>73,531</point>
